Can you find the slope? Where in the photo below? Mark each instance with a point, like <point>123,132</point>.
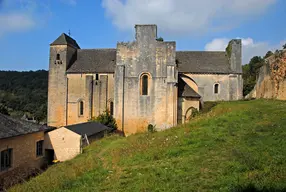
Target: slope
<point>237,146</point>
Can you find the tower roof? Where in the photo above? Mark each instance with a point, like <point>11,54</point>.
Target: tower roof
<point>64,39</point>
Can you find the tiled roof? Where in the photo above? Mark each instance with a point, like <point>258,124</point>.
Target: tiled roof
<point>88,128</point>
<point>64,39</point>
<point>184,90</point>
<point>11,127</point>
<point>104,61</point>
<point>202,62</point>
<point>94,61</point>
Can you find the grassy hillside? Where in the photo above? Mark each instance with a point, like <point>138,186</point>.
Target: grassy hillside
<point>24,92</point>
<point>238,146</point>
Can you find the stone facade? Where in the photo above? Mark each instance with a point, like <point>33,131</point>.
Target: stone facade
<point>138,81</point>
<point>265,86</point>
<point>24,160</point>
<point>24,150</point>
<point>230,86</point>
<point>133,110</point>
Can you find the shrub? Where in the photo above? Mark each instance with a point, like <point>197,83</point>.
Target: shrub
<point>160,39</point>
<point>3,109</point>
<point>151,128</point>
<point>194,113</point>
<point>106,119</point>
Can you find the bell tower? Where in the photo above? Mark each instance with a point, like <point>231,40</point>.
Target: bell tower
<point>62,53</point>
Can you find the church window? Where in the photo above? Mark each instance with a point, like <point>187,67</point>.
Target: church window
<point>96,76</point>
<point>216,86</point>
<point>144,84</point>
<point>58,57</point>
<point>81,108</point>
<point>111,108</point>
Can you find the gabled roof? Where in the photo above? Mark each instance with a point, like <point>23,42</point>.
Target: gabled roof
<point>88,128</point>
<point>184,90</point>
<point>64,39</point>
<point>203,62</point>
<point>94,60</point>
<point>11,127</point>
<point>104,61</point>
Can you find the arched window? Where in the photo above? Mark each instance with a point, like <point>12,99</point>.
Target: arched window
<point>144,84</point>
<point>216,86</point>
<point>81,108</point>
<point>58,57</point>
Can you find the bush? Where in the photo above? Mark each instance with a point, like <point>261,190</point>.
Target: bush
<point>151,128</point>
<point>3,109</point>
<point>194,113</point>
<point>160,39</point>
<point>106,119</point>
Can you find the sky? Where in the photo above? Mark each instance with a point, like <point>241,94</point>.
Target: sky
<point>27,27</point>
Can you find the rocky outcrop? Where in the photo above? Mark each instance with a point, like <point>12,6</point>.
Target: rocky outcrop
<point>271,82</point>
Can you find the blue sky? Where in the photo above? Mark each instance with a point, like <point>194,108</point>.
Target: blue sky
<point>27,27</point>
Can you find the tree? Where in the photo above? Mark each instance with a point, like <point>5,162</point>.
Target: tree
<point>160,39</point>
<point>250,72</point>
<point>284,46</point>
<point>106,119</point>
<point>255,63</point>
<point>268,54</point>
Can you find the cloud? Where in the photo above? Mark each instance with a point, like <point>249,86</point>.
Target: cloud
<point>184,16</point>
<point>24,15</point>
<point>250,48</point>
<point>15,22</point>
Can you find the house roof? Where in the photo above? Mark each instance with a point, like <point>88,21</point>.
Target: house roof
<point>94,60</point>
<point>203,62</point>
<point>11,127</point>
<point>88,128</point>
<point>184,90</point>
<point>64,39</point>
<point>104,61</point>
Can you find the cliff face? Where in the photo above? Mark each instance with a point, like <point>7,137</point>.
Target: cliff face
<point>271,82</point>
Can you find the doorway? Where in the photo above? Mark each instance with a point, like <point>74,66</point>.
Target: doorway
<point>49,154</point>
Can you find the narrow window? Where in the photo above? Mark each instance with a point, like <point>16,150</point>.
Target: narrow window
<point>58,57</point>
<point>96,76</point>
<point>81,108</point>
<point>216,88</point>
<point>39,148</point>
<point>6,159</point>
<point>111,108</point>
<point>144,85</point>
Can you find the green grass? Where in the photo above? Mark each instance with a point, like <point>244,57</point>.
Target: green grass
<point>237,146</point>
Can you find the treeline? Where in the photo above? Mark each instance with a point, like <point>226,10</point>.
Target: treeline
<point>24,93</point>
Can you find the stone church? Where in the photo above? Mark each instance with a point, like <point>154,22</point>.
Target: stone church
<point>146,81</point>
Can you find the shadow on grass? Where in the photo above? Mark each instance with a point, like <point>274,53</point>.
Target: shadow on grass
<point>252,188</point>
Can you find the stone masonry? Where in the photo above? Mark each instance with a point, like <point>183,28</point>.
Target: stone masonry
<point>142,82</point>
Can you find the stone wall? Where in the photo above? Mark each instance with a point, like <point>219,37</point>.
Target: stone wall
<point>65,143</point>
<point>57,86</point>
<point>185,106</point>
<point>265,87</point>
<point>96,95</point>
<point>24,152</point>
<point>134,111</point>
<point>230,86</point>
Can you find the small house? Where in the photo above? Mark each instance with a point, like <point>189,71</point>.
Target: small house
<point>21,149</point>
<point>67,142</point>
